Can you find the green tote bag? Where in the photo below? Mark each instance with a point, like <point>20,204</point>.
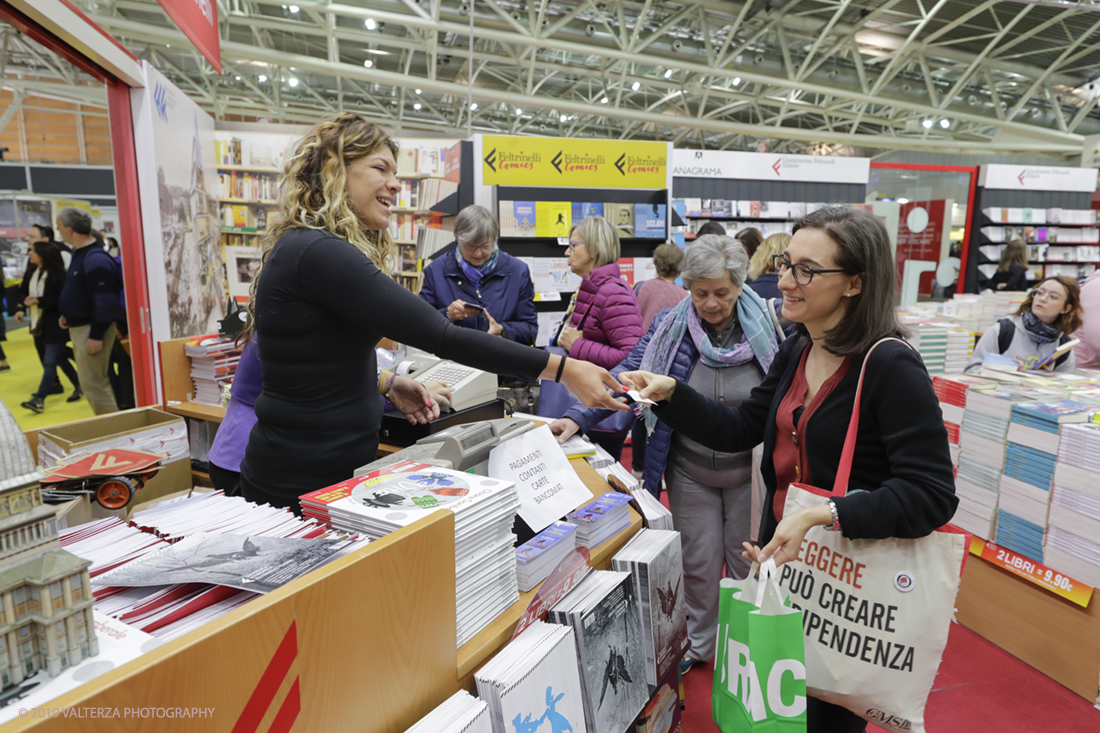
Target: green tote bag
<point>760,664</point>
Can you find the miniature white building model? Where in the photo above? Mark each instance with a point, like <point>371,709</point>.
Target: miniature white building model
<point>45,597</point>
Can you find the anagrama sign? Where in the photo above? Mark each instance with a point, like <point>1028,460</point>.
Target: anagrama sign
<point>769,166</point>
<point>1037,178</point>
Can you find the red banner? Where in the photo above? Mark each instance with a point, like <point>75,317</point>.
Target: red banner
<point>198,19</point>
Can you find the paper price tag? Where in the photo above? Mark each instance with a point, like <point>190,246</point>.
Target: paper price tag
<point>552,296</point>
<point>637,397</point>
<point>563,241</point>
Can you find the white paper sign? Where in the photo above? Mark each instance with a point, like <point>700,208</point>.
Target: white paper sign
<point>769,166</point>
<point>1037,178</point>
<point>548,486</point>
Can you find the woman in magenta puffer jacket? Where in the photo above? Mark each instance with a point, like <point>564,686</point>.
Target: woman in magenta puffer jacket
<point>605,321</point>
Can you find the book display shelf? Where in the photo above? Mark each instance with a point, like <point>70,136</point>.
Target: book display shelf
<point>365,643</point>
<point>535,223</point>
<point>1050,208</point>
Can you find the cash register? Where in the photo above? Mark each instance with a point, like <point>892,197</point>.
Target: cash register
<point>462,447</point>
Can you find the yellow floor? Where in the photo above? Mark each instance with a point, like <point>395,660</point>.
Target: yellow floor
<point>21,382</point>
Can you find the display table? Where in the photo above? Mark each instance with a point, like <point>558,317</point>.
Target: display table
<point>1055,636</point>
<point>366,643</point>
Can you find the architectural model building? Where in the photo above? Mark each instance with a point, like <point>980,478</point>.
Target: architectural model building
<point>45,596</point>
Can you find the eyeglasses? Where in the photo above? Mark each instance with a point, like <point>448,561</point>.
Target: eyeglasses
<point>803,273</point>
<point>472,248</point>
<point>573,244</point>
<point>1050,295</point>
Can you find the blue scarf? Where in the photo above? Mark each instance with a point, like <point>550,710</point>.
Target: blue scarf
<point>474,274</point>
<point>758,341</point>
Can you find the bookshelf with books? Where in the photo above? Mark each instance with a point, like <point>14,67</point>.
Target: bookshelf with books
<point>1049,208</point>
<point>535,223</point>
<point>767,191</point>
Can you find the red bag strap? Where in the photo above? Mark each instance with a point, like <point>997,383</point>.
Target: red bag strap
<point>844,470</point>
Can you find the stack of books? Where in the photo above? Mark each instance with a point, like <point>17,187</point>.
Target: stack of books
<point>655,515</point>
<point>1029,471</point>
<point>213,364</point>
<point>1073,525</point>
<point>601,519</point>
<point>485,509</point>
<point>951,391</point>
<point>537,558</point>
<point>603,611</point>
<point>930,341</point>
<point>535,679</point>
<point>981,458</point>
<point>459,713</point>
<point>654,560</point>
<point>170,610</point>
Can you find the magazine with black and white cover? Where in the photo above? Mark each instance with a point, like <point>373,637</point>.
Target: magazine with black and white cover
<point>603,612</point>
<point>257,564</point>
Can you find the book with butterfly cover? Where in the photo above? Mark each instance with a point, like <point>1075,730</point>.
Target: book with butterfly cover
<point>655,560</point>
<point>602,609</point>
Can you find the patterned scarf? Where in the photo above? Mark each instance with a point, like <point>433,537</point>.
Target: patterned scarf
<point>758,341</point>
<point>1040,333</point>
<point>476,273</point>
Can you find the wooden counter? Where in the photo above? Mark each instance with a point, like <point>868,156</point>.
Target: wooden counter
<point>1053,635</point>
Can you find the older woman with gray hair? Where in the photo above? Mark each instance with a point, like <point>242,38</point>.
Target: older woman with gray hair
<point>478,286</point>
<point>720,340</point>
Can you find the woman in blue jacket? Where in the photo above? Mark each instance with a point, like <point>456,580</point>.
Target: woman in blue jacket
<point>478,274</point>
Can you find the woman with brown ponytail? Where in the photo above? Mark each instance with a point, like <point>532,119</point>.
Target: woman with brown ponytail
<point>322,300</point>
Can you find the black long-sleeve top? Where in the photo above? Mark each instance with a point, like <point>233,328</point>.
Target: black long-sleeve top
<point>321,308</point>
<point>901,459</point>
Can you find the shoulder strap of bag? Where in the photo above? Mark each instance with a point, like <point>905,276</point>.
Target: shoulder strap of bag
<point>844,470</point>
<point>1005,334</point>
<point>773,312</point>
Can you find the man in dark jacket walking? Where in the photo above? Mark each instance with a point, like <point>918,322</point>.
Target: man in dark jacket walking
<point>89,305</point>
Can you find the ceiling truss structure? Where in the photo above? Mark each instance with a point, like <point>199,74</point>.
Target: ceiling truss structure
<point>819,76</point>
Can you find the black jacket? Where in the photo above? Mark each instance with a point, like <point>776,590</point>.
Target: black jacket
<point>901,459</point>
<point>1014,279</point>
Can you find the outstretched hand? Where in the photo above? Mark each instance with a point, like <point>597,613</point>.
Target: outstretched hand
<point>652,386</point>
<point>592,385</point>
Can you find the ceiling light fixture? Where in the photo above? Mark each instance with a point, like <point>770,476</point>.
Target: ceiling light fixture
<point>370,24</point>
<point>668,73</point>
<point>736,80</point>
<point>945,124</point>
<point>417,106</point>
<point>603,101</point>
<point>636,86</point>
<point>368,63</point>
<point>263,78</point>
<point>417,91</point>
<point>926,124</point>
<point>563,118</point>
<point>238,78</point>
<point>519,110</point>
<point>903,200</point>
<point>292,81</point>
<point>293,8</point>
<point>473,106</point>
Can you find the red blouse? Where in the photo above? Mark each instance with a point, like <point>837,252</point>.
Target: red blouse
<point>789,457</point>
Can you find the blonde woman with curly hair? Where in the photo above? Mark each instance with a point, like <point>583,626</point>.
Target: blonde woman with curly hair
<point>762,276</point>
<point>323,298</point>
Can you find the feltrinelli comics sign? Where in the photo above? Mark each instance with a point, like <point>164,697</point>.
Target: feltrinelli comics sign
<point>553,161</point>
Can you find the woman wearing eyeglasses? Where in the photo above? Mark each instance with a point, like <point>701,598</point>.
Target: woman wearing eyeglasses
<point>838,280</point>
<point>478,274</point>
<point>1043,322</point>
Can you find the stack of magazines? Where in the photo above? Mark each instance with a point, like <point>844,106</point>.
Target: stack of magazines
<point>601,519</point>
<point>485,562</point>
<point>655,561</point>
<point>459,713</point>
<point>537,558</point>
<point>535,680</point>
<point>213,363</point>
<point>603,611</point>
<point>170,609</point>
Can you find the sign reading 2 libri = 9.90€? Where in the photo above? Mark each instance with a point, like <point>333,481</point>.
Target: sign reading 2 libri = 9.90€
<point>552,161</point>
